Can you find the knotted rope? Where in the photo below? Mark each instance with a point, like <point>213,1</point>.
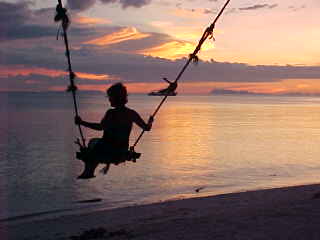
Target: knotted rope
<point>61,16</point>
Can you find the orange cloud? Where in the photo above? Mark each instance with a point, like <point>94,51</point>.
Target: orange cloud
<point>90,20</point>
<point>172,50</point>
<point>125,34</point>
<point>19,70</point>
<point>91,76</point>
<point>169,50</point>
<point>189,34</point>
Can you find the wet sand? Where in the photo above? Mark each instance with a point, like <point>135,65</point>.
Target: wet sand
<point>282,213</point>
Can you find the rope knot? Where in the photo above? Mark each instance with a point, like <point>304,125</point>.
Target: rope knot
<point>172,85</point>
<point>61,15</point>
<point>194,58</point>
<point>72,75</point>
<point>210,32</point>
<point>72,88</point>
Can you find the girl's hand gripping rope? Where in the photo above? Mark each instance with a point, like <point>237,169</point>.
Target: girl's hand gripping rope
<point>77,120</point>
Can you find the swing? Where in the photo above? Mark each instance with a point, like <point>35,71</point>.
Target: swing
<point>116,158</point>
<point>91,158</point>
<point>86,152</point>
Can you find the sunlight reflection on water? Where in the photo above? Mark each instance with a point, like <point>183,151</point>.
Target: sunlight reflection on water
<point>220,143</point>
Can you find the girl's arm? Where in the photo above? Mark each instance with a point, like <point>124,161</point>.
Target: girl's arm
<point>94,126</point>
<point>141,123</point>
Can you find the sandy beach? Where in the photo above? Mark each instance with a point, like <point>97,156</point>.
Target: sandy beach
<point>283,213</point>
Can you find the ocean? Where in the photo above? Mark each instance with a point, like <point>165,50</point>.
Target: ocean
<point>199,146</point>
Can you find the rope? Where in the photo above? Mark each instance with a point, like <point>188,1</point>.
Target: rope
<point>192,57</point>
<point>65,22</point>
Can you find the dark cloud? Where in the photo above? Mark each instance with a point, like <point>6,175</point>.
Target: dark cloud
<point>17,21</point>
<point>32,82</point>
<point>259,6</point>
<point>128,3</point>
<point>32,57</point>
<point>14,13</point>
<point>28,31</point>
<point>81,5</point>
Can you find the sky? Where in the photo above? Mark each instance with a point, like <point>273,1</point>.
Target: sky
<point>259,46</point>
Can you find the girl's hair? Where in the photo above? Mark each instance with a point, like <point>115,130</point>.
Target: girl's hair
<point>118,93</point>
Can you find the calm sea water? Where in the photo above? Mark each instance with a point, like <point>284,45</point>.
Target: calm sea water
<point>218,143</point>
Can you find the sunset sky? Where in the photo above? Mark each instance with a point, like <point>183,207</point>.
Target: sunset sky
<point>260,46</point>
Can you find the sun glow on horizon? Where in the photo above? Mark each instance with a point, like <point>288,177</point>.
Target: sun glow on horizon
<point>288,86</point>
<point>285,86</point>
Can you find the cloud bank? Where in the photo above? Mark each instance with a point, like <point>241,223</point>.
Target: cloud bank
<point>82,5</point>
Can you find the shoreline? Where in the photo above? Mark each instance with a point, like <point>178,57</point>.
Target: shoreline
<point>87,208</point>
<point>279,213</point>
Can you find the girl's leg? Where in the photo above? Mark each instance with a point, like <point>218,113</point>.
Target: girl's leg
<point>89,169</point>
<point>106,168</point>
<point>90,161</point>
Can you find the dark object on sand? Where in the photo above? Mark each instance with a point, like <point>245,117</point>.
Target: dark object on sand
<point>96,233</point>
<point>199,189</point>
<point>102,233</point>
<point>90,200</point>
